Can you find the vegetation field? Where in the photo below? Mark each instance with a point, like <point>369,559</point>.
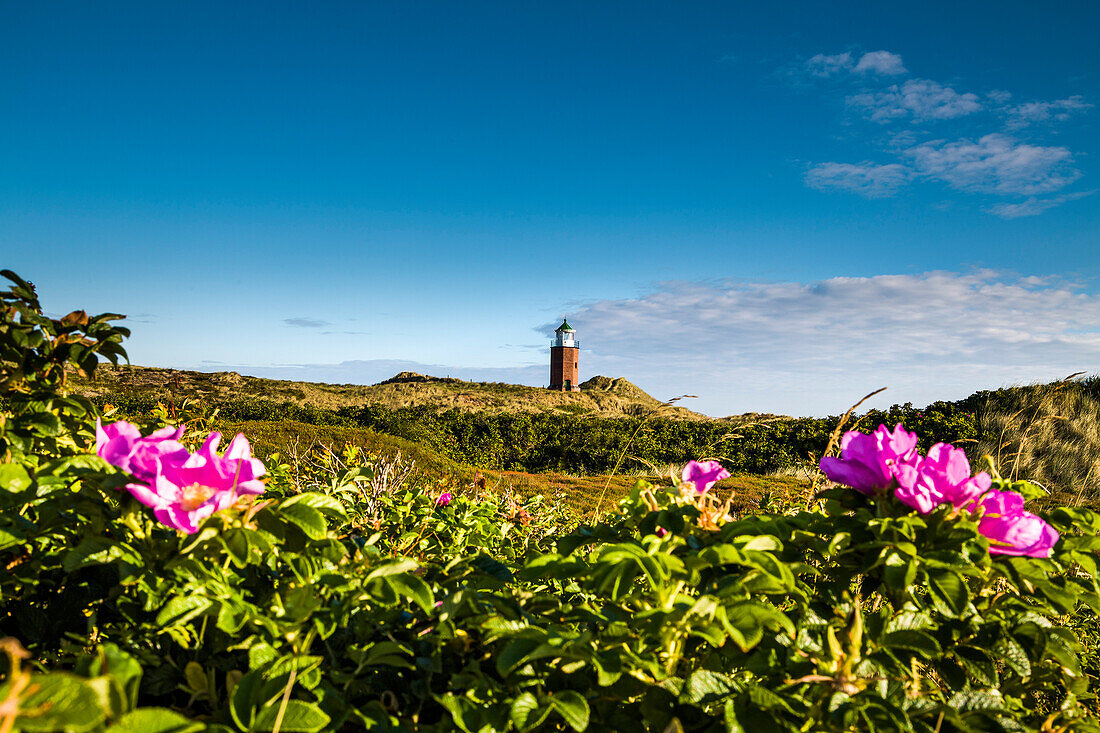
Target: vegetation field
<point>320,573</point>
<point>1044,433</point>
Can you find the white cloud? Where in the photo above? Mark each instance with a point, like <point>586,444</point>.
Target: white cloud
<point>919,99</point>
<point>816,348</point>
<point>880,62</point>
<point>804,348</point>
<point>1033,205</point>
<point>1058,110</point>
<point>306,322</point>
<point>826,66</point>
<point>866,178</point>
<point>998,163</point>
<point>995,164</point>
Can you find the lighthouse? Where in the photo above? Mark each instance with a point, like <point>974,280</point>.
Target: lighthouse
<point>565,359</point>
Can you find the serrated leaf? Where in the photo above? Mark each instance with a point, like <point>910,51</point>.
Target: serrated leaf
<point>765,698</point>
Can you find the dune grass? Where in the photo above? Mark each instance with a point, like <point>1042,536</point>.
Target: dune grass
<point>1047,433</point>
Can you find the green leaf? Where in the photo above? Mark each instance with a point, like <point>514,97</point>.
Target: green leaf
<point>241,704</point>
<point>44,423</point>
<point>705,686</point>
<point>525,712</point>
<point>59,702</point>
<point>900,571</point>
<point>195,676</point>
<point>305,518</point>
<point>414,588</point>
<point>14,478</point>
<point>492,567</point>
<point>392,567</point>
<point>300,717</point>
<point>182,609</point>
<point>122,668</point>
<point>763,542</point>
<point>551,565</point>
<point>320,502</point>
<point>913,640</point>
<point>1014,656</point>
<point>465,715</point>
<point>609,668</point>
<point>949,590</point>
<point>765,698</point>
<point>967,700</point>
<point>7,539</point>
<point>388,654</point>
<point>572,707</point>
<point>96,551</point>
<point>977,664</point>
<point>155,720</point>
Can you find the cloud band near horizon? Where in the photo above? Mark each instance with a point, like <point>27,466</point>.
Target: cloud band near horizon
<point>809,348</point>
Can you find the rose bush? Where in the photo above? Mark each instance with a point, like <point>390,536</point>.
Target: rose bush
<point>913,597</point>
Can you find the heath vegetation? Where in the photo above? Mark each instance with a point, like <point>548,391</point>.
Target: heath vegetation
<point>156,582</point>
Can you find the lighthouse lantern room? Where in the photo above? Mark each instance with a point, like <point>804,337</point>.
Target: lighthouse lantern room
<point>565,359</point>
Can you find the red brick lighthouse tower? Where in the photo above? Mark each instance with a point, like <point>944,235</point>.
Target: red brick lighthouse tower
<point>564,359</point>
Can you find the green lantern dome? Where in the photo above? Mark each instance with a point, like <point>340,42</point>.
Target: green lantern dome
<point>564,326</point>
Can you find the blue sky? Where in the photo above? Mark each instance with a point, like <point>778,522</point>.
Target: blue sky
<point>776,208</point>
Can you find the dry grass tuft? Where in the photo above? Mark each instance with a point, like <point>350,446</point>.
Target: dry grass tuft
<point>1048,434</point>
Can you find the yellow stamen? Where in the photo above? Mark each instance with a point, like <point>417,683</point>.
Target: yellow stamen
<point>194,496</point>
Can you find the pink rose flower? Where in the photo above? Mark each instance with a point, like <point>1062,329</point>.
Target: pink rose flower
<point>444,499</point>
<point>182,495</point>
<point>703,475</point>
<point>121,444</point>
<point>869,463</point>
<point>1011,530</point>
<point>941,477</point>
<point>236,465</point>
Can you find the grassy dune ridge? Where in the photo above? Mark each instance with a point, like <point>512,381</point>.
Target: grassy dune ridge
<point>600,396</point>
